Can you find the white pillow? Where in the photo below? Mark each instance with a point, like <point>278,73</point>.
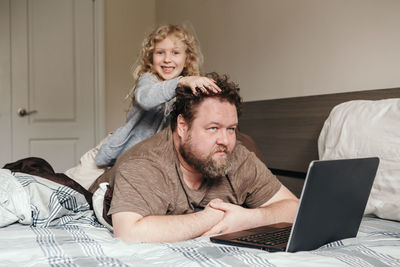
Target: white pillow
<point>98,204</point>
<point>86,172</point>
<point>364,128</point>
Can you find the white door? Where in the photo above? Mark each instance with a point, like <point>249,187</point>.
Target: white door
<point>52,80</point>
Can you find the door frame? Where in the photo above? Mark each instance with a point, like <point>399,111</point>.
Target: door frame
<point>100,81</point>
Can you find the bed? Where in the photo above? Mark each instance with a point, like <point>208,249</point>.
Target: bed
<point>288,133</point>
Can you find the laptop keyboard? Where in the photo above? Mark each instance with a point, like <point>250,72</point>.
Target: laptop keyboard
<point>268,239</point>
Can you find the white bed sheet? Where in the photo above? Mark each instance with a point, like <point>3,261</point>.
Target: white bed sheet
<point>83,243</point>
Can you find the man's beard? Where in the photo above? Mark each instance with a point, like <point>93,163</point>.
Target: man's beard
<point>208,167</point>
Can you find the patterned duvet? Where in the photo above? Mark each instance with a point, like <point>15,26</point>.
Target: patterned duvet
<point>82,243</point>
<point>73,237</point>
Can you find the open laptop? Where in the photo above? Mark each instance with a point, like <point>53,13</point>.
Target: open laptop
<point>331,207</point>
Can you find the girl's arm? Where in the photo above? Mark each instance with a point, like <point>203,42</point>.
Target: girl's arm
<point>150,92</point>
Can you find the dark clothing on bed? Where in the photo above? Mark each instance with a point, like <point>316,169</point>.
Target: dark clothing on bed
<point>41,168</point>
<point>147,180</point>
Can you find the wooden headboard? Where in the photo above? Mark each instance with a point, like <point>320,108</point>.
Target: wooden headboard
<point>286,130</point>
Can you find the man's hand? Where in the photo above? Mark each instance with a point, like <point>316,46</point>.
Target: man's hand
<point>281,207</point>
<point>217,214</point>
<point>235,218</point>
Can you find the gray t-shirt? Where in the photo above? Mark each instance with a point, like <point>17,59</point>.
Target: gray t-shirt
<point>147,180</point>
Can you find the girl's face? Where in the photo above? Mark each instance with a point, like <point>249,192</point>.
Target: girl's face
<point>169,57</point>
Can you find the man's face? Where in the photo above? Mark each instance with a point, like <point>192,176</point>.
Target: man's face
<point>208,144</point>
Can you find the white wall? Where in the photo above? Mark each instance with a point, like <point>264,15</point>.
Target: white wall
<point>285,48</point>
<point>127,22</point>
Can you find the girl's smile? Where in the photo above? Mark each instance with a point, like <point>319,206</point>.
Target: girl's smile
<point>169,57</point>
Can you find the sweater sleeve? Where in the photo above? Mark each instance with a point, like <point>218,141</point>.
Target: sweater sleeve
<point>150,92</point>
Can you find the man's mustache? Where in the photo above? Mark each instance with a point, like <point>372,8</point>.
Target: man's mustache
<point>221,148</point>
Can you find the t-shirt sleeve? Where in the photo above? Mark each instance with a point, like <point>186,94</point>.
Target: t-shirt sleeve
<point>140,187</point>
<point>255,182</point>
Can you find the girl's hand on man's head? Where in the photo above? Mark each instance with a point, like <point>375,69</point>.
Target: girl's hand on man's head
<point>201,83</point>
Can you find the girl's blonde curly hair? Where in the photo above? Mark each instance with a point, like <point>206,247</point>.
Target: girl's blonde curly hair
<point>145,61</point>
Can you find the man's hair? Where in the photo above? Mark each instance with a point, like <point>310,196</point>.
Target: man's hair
<point>186,102</point>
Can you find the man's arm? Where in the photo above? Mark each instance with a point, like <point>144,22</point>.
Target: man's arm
<point>282,207</point>
<point>133,227</point>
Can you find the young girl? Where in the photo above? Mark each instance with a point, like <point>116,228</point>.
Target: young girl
<point>169,58</point>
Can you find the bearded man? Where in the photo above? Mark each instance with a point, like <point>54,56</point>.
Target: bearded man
<point>194,178</point>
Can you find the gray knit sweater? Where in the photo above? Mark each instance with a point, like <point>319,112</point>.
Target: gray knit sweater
<point>148,116</point>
